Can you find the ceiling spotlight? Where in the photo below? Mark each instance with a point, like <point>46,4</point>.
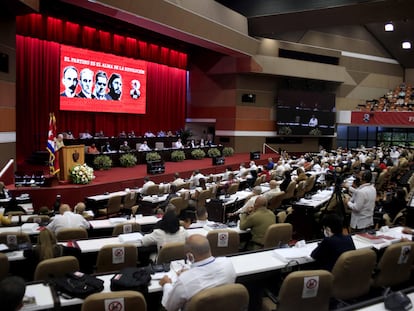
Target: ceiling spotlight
<point>389,27</point>
<point>406,45</point>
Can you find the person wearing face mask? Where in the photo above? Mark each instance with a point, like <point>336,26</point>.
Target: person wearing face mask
<point>206,271</point>
<point>333,244</point>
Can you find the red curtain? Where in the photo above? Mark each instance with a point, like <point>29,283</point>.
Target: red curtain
<point>37,83</point>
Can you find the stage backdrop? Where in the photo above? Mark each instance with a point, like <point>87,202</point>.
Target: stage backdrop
<point>38,83</point>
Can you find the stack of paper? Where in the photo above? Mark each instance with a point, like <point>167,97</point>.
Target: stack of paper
<point>300,254</point>
<point>117,220</point>
<point>134,237</point>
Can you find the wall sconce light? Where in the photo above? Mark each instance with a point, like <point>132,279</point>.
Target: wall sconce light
<point>406,45</point>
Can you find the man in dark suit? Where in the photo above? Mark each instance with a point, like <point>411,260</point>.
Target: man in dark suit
<point>86,79</point>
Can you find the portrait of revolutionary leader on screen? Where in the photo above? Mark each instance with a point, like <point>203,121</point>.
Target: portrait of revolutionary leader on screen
<point>115,86</point>
<point>70,81</point>
<point>86,83</point>
<point>101,82</point>
<point>135,86</point>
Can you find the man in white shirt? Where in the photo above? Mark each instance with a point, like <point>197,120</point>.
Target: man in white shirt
<point>195,178</point>
<point>362,204</point>
<point>206,271</point>
<point>313,122</point>
<point>67,219</point>
<point>144,146</point>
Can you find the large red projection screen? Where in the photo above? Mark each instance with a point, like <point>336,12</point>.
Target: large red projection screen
<point>100,82</point>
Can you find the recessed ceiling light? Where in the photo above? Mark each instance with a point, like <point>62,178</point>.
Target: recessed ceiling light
<point>406,45</point>
<point>389,27</point>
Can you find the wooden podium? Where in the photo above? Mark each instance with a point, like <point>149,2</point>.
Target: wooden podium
<point>69,156</point>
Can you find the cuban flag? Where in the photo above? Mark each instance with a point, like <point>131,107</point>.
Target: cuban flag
<point>51,147</point>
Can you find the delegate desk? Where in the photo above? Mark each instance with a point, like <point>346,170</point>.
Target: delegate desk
<point>247,265</point>
<point>104,227</point>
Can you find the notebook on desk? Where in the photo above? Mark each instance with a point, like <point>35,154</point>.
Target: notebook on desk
<point>299,254</point>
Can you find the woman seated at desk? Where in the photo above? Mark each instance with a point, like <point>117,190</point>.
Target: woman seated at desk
<point>168,230</point>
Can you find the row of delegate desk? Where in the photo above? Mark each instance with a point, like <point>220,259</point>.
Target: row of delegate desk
<point>254,264</point>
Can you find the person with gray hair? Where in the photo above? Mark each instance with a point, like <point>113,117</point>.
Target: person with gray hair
<point>257,218</point>
<point>249,202</point>
<point>86,82</point>
<point>205,272</point>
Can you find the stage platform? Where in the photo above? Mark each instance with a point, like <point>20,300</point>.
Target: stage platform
<point>119,178</point>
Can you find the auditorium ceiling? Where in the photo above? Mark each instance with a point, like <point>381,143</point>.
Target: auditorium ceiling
<point>288,19</point>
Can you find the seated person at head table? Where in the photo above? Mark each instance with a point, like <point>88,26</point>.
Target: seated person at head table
<point>85,135</point>
<point>69,135</point>
<point>167,230</point>
<point>191,144</point>
<point>125,147</point>
<point>313,122</point>
<point>202,142</point>
<point>67,219</point>
<point>100,134</point>
<point>107,147</point>
<point>170,134</point>
<point>122,134</point>
<point>149,134</point>
<point>333,244</point>
<point>147,183</point>
<point>144,146</point>
<point>47,247</point>
<point>12,291</point>
<point>206,271</point>
<point>131,134</point>
<point>161,134</point>
<point>258,218</point>
<point>178,144</point>
<point>92,149</point>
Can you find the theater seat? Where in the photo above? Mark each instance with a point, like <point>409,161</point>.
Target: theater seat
<point>125,300</point>
<point>228,297</point>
